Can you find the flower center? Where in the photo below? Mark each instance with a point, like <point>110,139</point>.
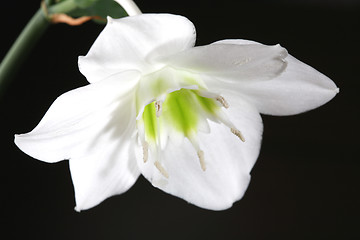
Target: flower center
<point>181,110</point>
<point>175,115</point>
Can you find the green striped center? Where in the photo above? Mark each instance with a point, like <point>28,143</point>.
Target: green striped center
<point>182,110</point>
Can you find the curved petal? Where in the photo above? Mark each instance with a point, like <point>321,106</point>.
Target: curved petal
<point>109,170</point>
<point>242,62</point>
<point>228,162</point>
<point>76,116</point>
<point>132,42</point>
<point>93,127</point>
<point>298,89</point>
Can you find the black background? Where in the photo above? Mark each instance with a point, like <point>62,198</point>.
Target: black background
<point>305,184</point>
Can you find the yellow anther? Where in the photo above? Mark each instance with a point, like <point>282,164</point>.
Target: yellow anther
<point>238,134</point>
<point>161,169</point>
<point>158,108</point>
<point>223,102</point>
<point>200,154</point>
<point>145,147</point>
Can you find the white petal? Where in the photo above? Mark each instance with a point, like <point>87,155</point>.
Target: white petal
<point>298,89</point>
<point>75,118</point>
<point>109,170</point>
<point>94,127</point>
<point>131,42</point>
<point>245,62</point>
<point>228,163</point>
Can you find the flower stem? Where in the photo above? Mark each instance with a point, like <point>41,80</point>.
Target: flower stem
<point>34,30</point>
<point>130,7</point>
<point>27,40</point>
<point>22,47</point>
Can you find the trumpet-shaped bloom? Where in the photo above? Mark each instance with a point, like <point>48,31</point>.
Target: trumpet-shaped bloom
<point>187,118</point>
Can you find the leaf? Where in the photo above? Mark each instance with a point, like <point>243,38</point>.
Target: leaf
<point>100,8</point>
<point>85,3</point>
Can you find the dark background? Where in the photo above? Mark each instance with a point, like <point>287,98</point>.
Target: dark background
<point>305,184</point>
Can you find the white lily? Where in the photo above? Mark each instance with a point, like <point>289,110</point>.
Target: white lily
<point>185,117</point>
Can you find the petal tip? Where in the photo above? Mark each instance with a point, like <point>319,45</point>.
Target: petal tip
<point>77,209</point>
<point>17,141</point>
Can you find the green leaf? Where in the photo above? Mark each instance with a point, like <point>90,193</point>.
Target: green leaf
<point>101,8</point>
<point>85,3</point>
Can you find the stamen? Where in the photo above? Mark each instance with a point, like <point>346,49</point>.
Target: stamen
<point>161,169</point>
<point>223,102</point>
<point>200,154</point>
<point>145,147</point>
<point>158,107</point>
<point>238,134</point>
<point>194,142</point>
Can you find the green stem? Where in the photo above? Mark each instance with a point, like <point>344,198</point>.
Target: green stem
<point>27,40</point>
<point>22,47</point>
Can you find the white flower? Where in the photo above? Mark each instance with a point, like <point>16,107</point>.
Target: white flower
<point>185,117</point>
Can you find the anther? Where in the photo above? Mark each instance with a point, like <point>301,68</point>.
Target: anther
<point>145,147</point>
<point>238,134</point>
<point>158,107</point>
<point>161,169</point>
<point>200,154</point>
<point>223,102</point>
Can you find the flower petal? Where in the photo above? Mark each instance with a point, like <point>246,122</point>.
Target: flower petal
<point>77,115</point>
<point>298,89</point>
<point>228,162</point>
<point>245,62</point>
<point>131,42</point>
<point>93,127</point>
<point>109,170</point>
